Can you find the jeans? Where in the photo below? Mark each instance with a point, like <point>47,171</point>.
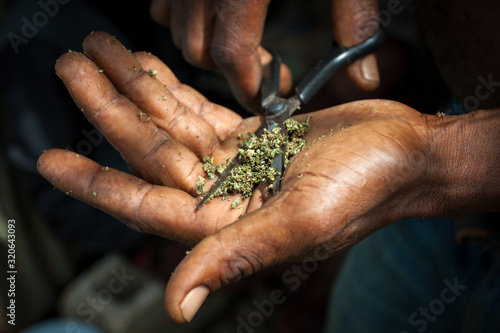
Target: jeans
<point>413,276</point>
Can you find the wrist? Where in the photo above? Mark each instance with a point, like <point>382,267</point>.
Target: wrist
<point>463,164</point>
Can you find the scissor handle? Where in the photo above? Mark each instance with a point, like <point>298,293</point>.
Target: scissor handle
<point>335,59</point>
<point>270,84</point>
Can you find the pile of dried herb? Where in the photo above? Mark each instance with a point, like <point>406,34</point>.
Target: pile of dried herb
<point>256,154</point>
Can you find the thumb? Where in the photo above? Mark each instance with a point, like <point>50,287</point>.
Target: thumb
<point>254,242</point>
<point>354,21</point>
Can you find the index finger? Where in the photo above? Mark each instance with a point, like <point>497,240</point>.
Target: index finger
<point>236,49</point>
<point>222,120</point>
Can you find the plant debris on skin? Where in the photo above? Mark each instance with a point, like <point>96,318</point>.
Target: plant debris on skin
<point>256,154</point>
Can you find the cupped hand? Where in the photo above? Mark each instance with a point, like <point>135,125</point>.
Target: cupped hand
<point>225,35</point>
<point>357,173</point>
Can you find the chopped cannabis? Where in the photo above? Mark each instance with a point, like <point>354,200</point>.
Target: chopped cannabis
<point>236,203</point>
<point>144,116</point>
<point>256,154</point>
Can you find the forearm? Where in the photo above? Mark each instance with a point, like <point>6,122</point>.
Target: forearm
<point>463,173</point>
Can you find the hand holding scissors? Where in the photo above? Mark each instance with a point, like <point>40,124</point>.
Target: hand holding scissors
<point>277,109</point>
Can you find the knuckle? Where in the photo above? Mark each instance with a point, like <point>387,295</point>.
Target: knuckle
<point>229,53</point>
<point>236,269</point>
<point>239,266</point>
<point>356,22</point>
<point>197,53</point>
<point>237,262</point>
<point>367,23</point>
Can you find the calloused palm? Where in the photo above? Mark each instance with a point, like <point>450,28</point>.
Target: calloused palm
<point>345,185</point>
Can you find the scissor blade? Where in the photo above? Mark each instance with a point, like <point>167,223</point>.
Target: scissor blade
<point>277,161</point>
<point>270,84</point>
<point>277,164</point>
<point>218,183</point>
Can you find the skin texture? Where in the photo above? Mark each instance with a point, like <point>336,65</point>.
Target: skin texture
<point>390,162</point>
<point>225,35</point>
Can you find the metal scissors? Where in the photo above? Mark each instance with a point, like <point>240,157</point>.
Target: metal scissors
<point>278,109</point>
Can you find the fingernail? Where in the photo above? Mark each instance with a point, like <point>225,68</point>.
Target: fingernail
<point>369,68</point>
<point>265,56</point>
<point>192,302</point>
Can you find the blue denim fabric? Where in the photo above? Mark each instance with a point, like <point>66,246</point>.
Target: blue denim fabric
<point>413,277</point>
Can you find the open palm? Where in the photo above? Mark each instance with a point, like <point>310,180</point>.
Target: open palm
<point>356,175</point>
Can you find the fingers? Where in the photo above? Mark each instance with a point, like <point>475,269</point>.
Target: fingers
<point>222,120</point>
<point>160,11</point>
<point>235,47</point>
<point>223,35</point>
<point>159,210</point>
<point>353,23</point>
<point>149,150</point>
<point>153,98</point>
<point>198,23</point>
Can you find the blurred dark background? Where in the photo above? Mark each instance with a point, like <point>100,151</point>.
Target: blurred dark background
<point>59,238</point>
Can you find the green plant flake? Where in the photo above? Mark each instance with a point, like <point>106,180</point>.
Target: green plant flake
<point>200,186</point>
<point>152,72</point>
<point>94,194</point>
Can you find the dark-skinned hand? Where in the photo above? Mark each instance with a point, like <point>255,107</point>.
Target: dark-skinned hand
<point>345,185</point>
<point>225,35</point>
